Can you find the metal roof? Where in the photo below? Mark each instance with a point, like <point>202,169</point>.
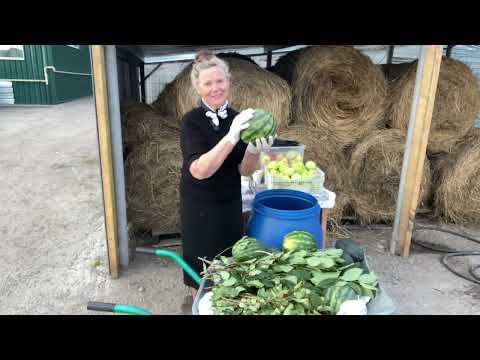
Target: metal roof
<point>159,53</point>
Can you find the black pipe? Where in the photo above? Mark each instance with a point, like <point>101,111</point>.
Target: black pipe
<point>99,306</point>
<point>145,250</point>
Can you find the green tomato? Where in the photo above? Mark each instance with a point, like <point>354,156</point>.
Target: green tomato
<point>310,165</point>
<point>298,167</point>
<point>282,168</point>
<point>289,171</point>
<point>265,159</point>
<point>272,165</point>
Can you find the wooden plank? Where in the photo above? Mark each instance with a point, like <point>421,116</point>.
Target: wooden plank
<point>324,218</point>
<point>415,151</point>
<point>105,146</point>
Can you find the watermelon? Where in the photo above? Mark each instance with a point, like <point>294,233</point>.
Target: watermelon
<point>338,294</point>
<point>262,124</point>
<point>246,248</point>
<point>299,240</point>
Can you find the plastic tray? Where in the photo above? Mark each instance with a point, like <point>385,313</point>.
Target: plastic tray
<point>314,185</point>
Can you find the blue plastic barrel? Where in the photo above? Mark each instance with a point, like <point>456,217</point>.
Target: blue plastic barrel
<point>275,213</point>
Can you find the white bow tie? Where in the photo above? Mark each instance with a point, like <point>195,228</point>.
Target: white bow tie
<point>222,112</point>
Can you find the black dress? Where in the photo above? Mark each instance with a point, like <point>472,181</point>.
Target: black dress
<point>211,209</point>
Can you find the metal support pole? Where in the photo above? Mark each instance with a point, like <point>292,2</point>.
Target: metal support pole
<point>153,71</point>
<point>117,152</point>
<point>449,50</point>
<point>143,93</point>
<point>391,49</point>
<point>269,59</point>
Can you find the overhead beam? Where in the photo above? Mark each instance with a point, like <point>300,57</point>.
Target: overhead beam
<point>428,70</point>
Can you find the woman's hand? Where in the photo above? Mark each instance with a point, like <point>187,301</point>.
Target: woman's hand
<point>241,122</point>
<point>261,144</point>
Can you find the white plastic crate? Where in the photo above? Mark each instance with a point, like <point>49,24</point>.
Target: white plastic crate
<point>313,185</point>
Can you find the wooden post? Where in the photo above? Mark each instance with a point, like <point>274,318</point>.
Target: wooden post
<point>324,218</point>
<point>415,150</point>
<point>105,147</point>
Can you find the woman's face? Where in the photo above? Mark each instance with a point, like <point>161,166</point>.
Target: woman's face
<point>213,87</point>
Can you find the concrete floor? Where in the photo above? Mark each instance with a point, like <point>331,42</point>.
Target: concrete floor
<point>53,248</point>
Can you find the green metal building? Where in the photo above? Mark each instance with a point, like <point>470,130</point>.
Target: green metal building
<point>44,74</point>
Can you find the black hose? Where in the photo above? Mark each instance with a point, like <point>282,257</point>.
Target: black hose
<point>449,253</point>
<point>475,279</point>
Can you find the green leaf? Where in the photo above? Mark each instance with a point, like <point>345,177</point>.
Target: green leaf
<point>326,263</point>
<point>283,268</point>
<point>357,288</point>
<point>368,286</point>
<point>304,301</point>
<point>352,274</point>
<point>319,277</point>
<point>225,275</point>
<point>255,283</point>
<point>230,282</point>
<point>347,266</point>
<point>292,279</point>
<point>367,292</point>
<point>289,309</point>
<point>302,275</point>
<point>297,260</point>
<point>285,256</point>
<point>334,252</point>
<point>226,260</point>
<point>300,253</point>
<point>370,279</point>
<point>316,300</point>
<point>314,261</point>
<point>254,272</point>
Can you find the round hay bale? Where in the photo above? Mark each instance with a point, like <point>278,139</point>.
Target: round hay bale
<point>393,71</point>
<point>131,114</point>
<point>457,103</point>
<point>251,87</point>
<point>340,91</point>
<point>140,121</point>
<point>152,178</point>
<point>457,198</point>
<point>374,172</point>
<point>285,65</point>
<point>332,161</point>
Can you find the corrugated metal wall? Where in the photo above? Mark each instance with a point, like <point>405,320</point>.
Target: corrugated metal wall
<point>71,86</point>
<point>36,57</point>
<point>61,87</point>
<point>469,55</point>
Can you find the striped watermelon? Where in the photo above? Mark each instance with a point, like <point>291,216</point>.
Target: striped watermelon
<point>299,240</point>
<point>262,124</point>
<point>246,248</point>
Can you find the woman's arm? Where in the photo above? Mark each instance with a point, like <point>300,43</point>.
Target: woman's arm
<point>250,159</point>
<point>249,163</point>
<point>208,164</point>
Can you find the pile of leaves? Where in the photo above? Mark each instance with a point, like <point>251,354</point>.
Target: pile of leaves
<point>297,282</point>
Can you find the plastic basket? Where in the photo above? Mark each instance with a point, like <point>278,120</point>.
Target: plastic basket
<point>313,185</point>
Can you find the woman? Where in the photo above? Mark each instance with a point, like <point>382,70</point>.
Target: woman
<point>214,159</point>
